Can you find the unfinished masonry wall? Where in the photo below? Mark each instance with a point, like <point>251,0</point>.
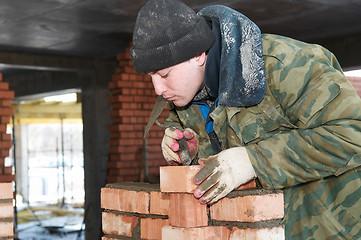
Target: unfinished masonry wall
<point>6,175</point>
<point>6,113</point>
<point>170,211</point>
<point>130,157</point>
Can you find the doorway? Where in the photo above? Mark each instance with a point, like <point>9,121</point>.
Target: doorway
<point>48,155</point>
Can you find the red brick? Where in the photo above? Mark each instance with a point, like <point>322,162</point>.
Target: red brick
<point>6,190</point>
<point>140,99</point>
<point>6,210</point>
<point>7,178</point>
<point>250,184</point>
<point>4,86</point>
<point>118,224</point>
<point>186,211</point>
<point>275,233</point>
<point>7,94</point>
<point>5,137</point>
<point>6,229</point>
<point>6,111</point>
<point>4,153</point>
<point>129,69</point>
<point>204,233</point>
<point>125,200</point>
<point>134,178</point>
<point>6,103</point>
<point>250,208</point>
<point>151,228</point>
<point>159,203</point>
<point>178,178</point>
<point>121,127</point>
<point>8,170</point>
<point>5,144</point>
<point>5,119</point>
<point>114,179</point>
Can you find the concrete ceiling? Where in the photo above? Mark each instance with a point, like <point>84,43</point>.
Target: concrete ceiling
<point>102,28</point>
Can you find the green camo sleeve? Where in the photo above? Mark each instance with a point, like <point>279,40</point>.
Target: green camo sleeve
<point>324,109</point>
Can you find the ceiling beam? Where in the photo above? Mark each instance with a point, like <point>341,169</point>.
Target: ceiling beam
<point>42,62</point>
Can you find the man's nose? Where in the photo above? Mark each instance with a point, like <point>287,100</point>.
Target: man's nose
<point>158,85</point>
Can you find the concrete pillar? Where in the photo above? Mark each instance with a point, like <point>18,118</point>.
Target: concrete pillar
<point>22,184</point>
<point>96,121</point>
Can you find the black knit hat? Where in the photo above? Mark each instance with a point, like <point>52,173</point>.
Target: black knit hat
<point>168,32</point>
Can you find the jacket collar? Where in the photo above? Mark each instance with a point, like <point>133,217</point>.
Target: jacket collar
<point>242,80</point>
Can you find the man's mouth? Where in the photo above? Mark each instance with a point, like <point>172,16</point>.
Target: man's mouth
<point>169,98</point>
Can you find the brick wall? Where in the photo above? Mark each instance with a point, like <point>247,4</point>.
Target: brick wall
<point>5,139</point>
<point>170,211</point>
<point>132,101</point>
<point>6,176</point>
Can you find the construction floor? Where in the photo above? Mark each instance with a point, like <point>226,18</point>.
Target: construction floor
<point>50,223</point>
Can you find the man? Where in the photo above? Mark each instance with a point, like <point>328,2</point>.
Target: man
<point>260,106</point>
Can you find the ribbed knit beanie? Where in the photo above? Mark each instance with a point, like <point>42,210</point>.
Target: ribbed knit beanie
<point>168,32</point>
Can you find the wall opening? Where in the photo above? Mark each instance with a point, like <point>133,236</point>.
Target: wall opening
<point>48,155</point>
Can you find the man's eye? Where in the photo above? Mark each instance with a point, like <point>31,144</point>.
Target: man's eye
<point>164,75</point>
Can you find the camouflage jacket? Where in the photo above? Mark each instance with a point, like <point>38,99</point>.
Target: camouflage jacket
<point>304,137</point>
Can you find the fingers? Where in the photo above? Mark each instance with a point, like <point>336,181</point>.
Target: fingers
<point>169,155</point>
<point>170,143</point>
<point>189,133</point>
<point>173,133</point>
<point>217,192</point>
<point>211,186</point>
<point>210,164</point>
<point>206,185</point>
<point>170,146</point>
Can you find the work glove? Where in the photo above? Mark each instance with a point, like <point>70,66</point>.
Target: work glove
<point>223,173</point>
<point>170,146</point>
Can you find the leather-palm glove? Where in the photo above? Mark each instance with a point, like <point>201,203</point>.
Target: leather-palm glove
<point>223,173</point>
<point>170,146</point>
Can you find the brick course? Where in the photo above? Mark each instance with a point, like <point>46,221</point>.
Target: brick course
<point>179,215</point>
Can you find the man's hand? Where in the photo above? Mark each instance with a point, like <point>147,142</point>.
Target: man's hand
<point>223,173</point>
<point>170,146</point>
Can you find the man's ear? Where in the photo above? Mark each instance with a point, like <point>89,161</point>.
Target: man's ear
<point>200,59</point>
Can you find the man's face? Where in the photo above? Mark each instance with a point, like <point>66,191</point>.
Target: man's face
<point>180,82</point>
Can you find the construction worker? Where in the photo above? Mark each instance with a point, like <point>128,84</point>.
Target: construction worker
<point>255,105</point>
